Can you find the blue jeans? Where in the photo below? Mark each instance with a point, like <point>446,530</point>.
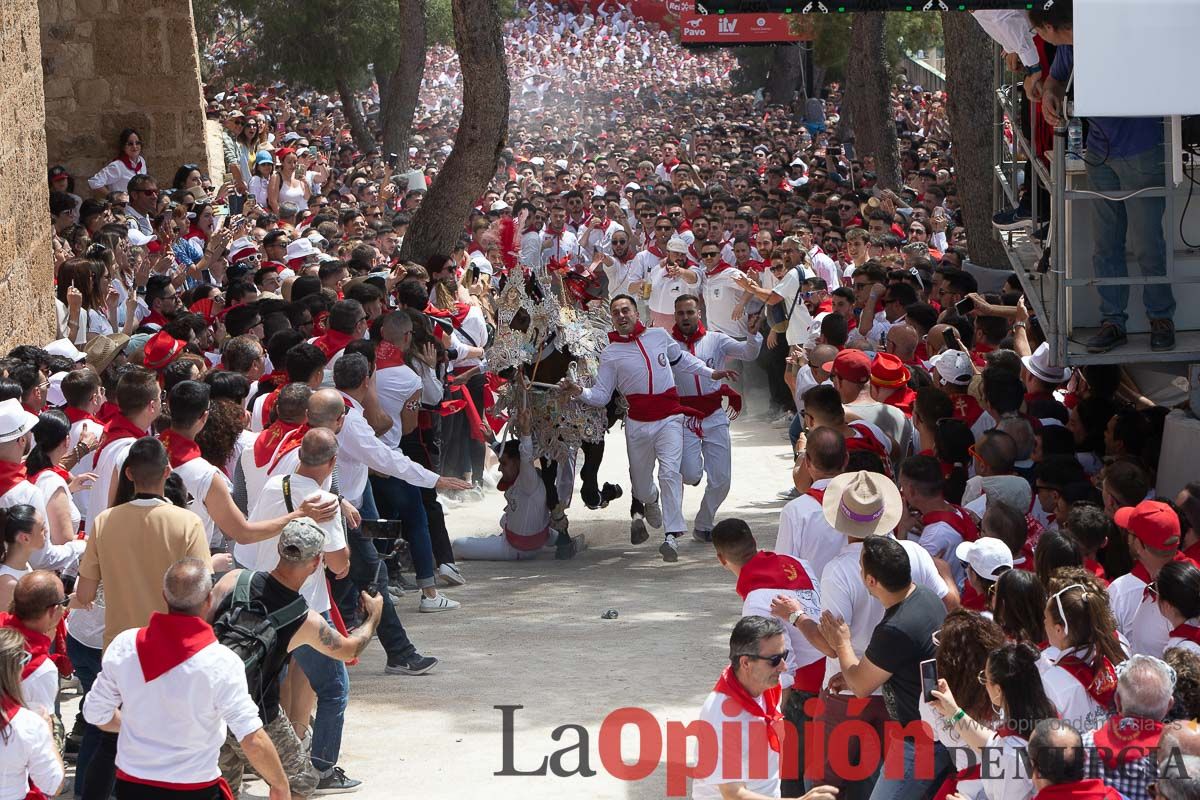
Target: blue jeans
<point>86,661</point>
<point>331,682</point>
<point>909,787</point>
<point>396,499</point>
<point>795,429</point>
<point>1137,223</point>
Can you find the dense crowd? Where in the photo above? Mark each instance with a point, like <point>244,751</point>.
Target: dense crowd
<point>256,418</point>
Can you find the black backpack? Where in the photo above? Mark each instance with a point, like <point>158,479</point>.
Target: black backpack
<point>250,631</point>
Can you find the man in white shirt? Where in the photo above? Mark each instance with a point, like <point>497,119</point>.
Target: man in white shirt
<point>937,525</point>
<point>170,689</point>
<point>804,533</point>
<point>709,451</point>
<point>1151,529</point>
<point>38,605</point>
<point>560,247</point>
<point>787,291</point>
<point>669,279</point>
<point>139,401</point>
<point>746,697</point>
<point>724,301</point>
<point>84,394</point>
<point>638,363</point>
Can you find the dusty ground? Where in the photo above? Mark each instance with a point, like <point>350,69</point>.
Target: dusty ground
<point>530,634</point>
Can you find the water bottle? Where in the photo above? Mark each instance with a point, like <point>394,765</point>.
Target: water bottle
<point>1075,140</point>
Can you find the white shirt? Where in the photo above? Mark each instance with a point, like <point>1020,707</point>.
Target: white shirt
<point>29,753</point>
<point>172,728</point>
<point>50,483</point>
<point>115,176</point>
<point>622,273</point>
<point>713,714</point>
<point>41,688</point>
<point>1012,31</point>
<point>844,594</point>
<point>664,290</point>
<point>556,247</point>
<point>788,289</point>
<point>1068,695</point>
<point>800,652</point>
<point>198,476</point>
<point>264,555</point>
<point>52,556</point>
<point>394,386</point>
<point>525,512</point>
<point>107,466</point>
<point>643,366</point>
<point>804,533</point>
<point>721,296</point>
<point>359,450</point>
<point>85,464</point>
<point>940,539</point>
<point>1138,617</point>
<point>713,349</point>
<point>825,267</point>
<point>474,326</point>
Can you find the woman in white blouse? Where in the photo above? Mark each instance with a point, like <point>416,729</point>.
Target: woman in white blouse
<point>22,533</point>
<point>51,442</point>
<point>1178,585</point>
<point>28,756</point>
<point>1011,680</point>
<point>129,162</point>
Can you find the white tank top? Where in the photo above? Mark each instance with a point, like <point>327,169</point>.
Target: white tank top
<point>292,193</point>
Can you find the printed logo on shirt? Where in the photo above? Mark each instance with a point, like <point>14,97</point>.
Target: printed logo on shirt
<point>662,359</point>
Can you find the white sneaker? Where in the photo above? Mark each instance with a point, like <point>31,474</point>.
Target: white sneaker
<point>439,602</point>
<point>669,550</point>
<point>451,575</point>
<point>490,478</point>
<point>653,513</point>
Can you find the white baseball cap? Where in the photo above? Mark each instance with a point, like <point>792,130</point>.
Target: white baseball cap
<point>64,348</point>
<point>677,245</point>
<point>954,366</point>
<point>988,556</point>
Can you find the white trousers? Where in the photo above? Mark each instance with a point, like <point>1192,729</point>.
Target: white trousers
<point>489,548</point>
<point>711,456</point>
<point>564,481</point>
<point>660,441</point>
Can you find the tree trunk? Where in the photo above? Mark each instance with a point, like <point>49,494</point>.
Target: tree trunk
<point>784,76</point>
<point>869,99</point>
<point>481,133</point>
<point>400,90</point>
<point>969,86</point>
<point>363,139</point>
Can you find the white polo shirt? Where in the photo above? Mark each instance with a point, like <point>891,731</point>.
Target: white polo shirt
<point>804,533</point>
<point>1138,617</point>
<point>713,713</point>
<point>29,754</point>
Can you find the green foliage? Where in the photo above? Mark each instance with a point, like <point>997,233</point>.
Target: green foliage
<point>904,31</point>
<point>911,32</point>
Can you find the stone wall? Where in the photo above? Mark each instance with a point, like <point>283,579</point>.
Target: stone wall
<point>26,300</point>
<point>113,64</point>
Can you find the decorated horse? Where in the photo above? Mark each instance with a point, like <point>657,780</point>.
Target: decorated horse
<point>547,340</point>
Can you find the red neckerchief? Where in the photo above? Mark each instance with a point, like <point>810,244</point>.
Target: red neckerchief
<point>456,315</point>
<point>180,449</point>
<point>731,687</point>
<point>35,411</point>
<point>12,474</point>
<point>268,404</point>
<point>59,471</point>
<point>1096,568</point>
<point>291,441</point>
<point>1089,789</point>
<point>155,318</point>
<point>319,320</point>
<point>966,408</point>
<point>134,166</point>
<point>1186,631</point>
<point>957,518</point>
<point>971,599</point>
<point>273,380</point>
<point>195,232</point>
<point>333,342</point>
<point>654,251</point>
<point>388,355</point>
<point>767,570</point>
<point>903,399</point>
<point>1100,683</point>
<point>1140,572</point>
<point>1124,739</point>
<point>816,494</point>
<point>638,330</point>
<point>979,351</point>
<point>718,269</point>
<point>169,640</point>
<point>36,644</point>
<point>689,341</point>
<point>269,439</point>
<point>78,415</point>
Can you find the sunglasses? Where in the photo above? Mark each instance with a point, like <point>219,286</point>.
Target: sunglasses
<point>834,240</point>
<point>663,228</point>
<point>63,603</point>
<point>774,660</point>
<point>709,255</point>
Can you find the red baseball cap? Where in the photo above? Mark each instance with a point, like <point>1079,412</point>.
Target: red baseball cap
<point>1154,524</point>
<point>853,365</point>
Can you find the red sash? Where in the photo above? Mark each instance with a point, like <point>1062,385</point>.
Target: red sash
<point>226,792</point>
<point>168,641</point>
<point>653,407</point>
<point>119,427</point>
<point>1101,684</point>
<point>180,449</point>
<point>12,474</point>
<point>291,441</point>
<point>706,404</point>
<point>739,698</point>
<point>333,342</point>
<point>1125,739</point>
<point>269,439</point>
<point>957,518</point>
<point>1090,789</point>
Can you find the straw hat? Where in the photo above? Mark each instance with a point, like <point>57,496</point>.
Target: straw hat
<point>103,350</point>
<point>862,504</point>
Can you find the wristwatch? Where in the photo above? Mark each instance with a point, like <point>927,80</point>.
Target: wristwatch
<point>795,615</point>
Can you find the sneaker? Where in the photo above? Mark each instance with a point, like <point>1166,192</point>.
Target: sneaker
<point>490,478</point>
<point>783,421</point>
<point>702,536</point>
<point>637,531</point>
<point>654,514</point>
<point>451,575</point>
<point>789,494</point>
<point>1110,336</point>
<point>337,782</point>
<point>568,546</point>
<point>416,664</point>
<point>1013,219</point>
<point>669,550</point>
<point>439,602</point>
<point>1162,334</point>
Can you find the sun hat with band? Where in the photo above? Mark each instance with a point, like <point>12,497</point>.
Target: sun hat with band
<point>15,421</point>
<point>1039,366</point>
<point>1154,524</point>
<point>160,350</point>
<point>861,504</point>
<point>888,371</point>
<point>103,350</point>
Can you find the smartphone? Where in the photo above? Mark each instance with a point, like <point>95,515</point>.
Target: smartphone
<point>393,159</point>
<point>382,528</point>
<point>327,142</point>
<point>964,306</point>
<point>834,150</point>
<point>929,678</point>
